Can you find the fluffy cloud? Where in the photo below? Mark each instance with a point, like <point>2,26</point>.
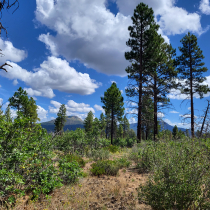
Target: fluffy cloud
<point>54,73</point>
<point>72,108</point>
<point>99,108</point>
<point>10,53</point>
<point>87,32</point>
<point>132,120</point>
<point>15,82</point>
<point>160,114</point>
<point>180,125</point>
<point>205,7</point>
<point>1,101</point>
<point>90,33</point>
<point>174,112</point>
<point>176,94</point>
<point>172,20</point>
<point>42,113</point>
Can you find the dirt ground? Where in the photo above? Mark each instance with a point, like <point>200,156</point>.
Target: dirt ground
<point>94,193</point>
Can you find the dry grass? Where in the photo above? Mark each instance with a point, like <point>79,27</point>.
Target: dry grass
<point>105,192</point>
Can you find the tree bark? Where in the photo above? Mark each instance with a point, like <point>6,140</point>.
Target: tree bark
<point>155,109</point>
<point>191,95</point>
<point>140,93</point>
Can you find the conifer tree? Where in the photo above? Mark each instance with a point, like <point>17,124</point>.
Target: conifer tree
<point>126,126</point>
<point>19,100</point>
<point>113,104</point>
<point>190,67</point>
<point>175,131</point>
<point>88,122</point>
<point>120,131</point>
<point>140,55</point>
<point>102,124</point>
<point>108,125</point>
<point>61,118</point>
<point>161,76</point>
<point>8,116</point>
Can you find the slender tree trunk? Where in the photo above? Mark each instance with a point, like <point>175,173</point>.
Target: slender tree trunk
<point>112,127</point>
<point>191,95</point>
<point>140,93</point>
<point>155,109</point>
<point>204,118</point>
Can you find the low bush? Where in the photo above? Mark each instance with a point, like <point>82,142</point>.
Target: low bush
<point>99,154</point>
<point>180,175</point>
<point>69,171</point>
<point>106,167</point>
<point>123,162</point>
<point>113,148</point>
<point>77,158</point>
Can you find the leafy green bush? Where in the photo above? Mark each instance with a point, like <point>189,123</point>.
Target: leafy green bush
<point>123,162</point>
<point>25,159</point>
<point>180,178</point>
<point>107,167</point>
<point>113,148</point>
<point>74,157</point>
<point>121,142</point>
<point>99,154</point>
<point>69,171</point>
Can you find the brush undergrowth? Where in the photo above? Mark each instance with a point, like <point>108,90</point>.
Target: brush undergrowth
<point>180,174</point>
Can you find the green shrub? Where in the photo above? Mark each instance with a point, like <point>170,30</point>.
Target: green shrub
<point>123,162</point>
<point>69,171</point>
<point>99,154</point>
<point>113,148</point>
<point>74,157</point>
<point>107,167</point>
<point>180,178</point>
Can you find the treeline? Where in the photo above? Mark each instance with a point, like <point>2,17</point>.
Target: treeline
<point>155,70</point>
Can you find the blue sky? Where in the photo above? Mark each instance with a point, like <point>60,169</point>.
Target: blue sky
<point>65,52</point>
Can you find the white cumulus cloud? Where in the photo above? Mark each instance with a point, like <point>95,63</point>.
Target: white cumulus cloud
<point>205,7</point>
<point>10,53</point>
<point>53,73</point>
<point>99,108</point>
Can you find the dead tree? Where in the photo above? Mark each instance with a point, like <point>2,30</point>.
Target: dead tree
<point>6,5</point>
<point>204,119</point>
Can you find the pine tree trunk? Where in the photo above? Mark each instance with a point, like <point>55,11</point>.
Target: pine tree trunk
<point>140,94</point>
<point>112,127</point>
<point>191,95</point>
<point>155,109</point>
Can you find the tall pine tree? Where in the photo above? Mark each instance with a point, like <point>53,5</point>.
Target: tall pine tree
<point>102,125</point>
<point>161,75</point>
<point>141,54</point>
<point>88,122</point>
<point>113,104</point>
<point>61,119</point>
<point>191,68</point>
<point>8,115</point>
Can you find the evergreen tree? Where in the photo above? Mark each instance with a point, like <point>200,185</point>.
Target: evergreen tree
<point>141,54</point>
<point>126,126</point>
<point>147,115</point>
<point>120,131</point>
<point>7,114</point>
<point>102,125</point>
<point>175,132</point>
<point>19,100</point>
<point>30,111</point>
<point>113,104</point>
<point>131,134</point>
<point>61,118</point>
<point>108,125</point>
<point>25,106</point>
<point>88,122</point>
<point>191,68</point>
<point>162,75</point>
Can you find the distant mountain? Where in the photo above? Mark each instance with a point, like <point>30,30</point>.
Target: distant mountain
<point>72,123</point>
<point>164,126</point>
